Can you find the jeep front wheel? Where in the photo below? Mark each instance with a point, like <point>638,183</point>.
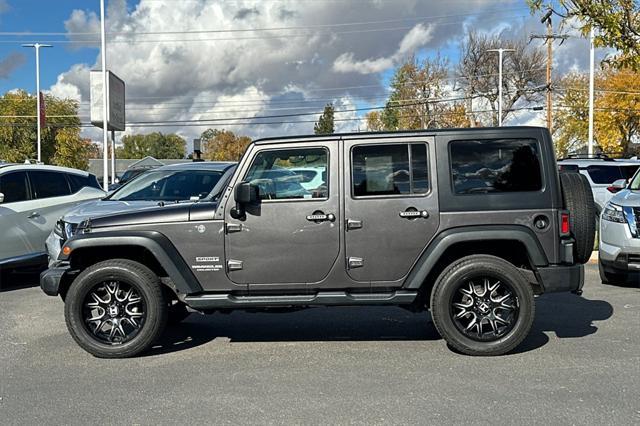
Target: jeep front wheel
<point>482,305</point>
<point>115,309</point>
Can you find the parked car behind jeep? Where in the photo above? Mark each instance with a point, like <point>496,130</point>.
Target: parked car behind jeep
<point>32,198</point>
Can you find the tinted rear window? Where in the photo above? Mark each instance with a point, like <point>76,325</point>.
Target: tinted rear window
<point>47,184</point>
<point>606,174</point>
<point>78,182</point>
<point>496,165</point>
<point>14,187</point>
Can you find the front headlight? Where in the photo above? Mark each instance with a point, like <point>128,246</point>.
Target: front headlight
<point>613,213</point>
<point>58,229</point>
<point>69,229</point>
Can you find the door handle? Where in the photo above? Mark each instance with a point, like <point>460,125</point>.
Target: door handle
<point>414,214</point>
<point>33,215</point>
<point>321,217</point>
<point>353,224</point>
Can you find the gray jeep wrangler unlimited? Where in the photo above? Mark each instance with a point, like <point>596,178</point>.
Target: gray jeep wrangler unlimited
<point>467,223</point>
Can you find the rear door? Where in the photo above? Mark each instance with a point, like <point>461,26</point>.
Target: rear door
<point>391,207</point>
<point>16,207</point>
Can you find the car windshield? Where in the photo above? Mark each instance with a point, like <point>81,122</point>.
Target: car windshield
<point>130,174</point>
<point>168,185</point>
<point>635,182</point>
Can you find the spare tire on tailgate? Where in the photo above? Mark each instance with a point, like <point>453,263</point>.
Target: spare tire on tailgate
<point>578,200</point>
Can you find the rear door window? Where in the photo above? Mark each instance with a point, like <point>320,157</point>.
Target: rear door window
<point>390,169</point>
<point>47,184</point>
<point>605,174</point>
<point>495,166</point>
<point>14,187</point>
<point>78,182</point>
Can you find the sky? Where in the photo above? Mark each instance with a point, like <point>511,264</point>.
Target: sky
<point>233,59</point>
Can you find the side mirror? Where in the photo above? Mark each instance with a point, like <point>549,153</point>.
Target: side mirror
<point>245,193</point>
<point>618,185</point>
<point>117,180</point>
<point>1,197</point>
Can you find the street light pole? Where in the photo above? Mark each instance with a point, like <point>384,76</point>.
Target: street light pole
<point>37,47</point>
<point>500,54</point>
<point>591,90</point>
<point>105,112</point>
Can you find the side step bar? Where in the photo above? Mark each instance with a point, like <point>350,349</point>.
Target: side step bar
<point>214,301</point>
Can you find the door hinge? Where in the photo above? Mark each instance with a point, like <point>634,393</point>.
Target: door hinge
<point>233,227</point>
<point>234,265</point>
<point>355,262</point>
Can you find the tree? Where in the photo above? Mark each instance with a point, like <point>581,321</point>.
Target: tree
<point>325,126</point>
<point>523,75</point>
<point>18,138</point>
<point>71,150</point>
<point>223,145</point>
<point>416,91</point>
<point>616,112</point>
<point>154,144</point>
<point>617,23</point>
<point>374,121</point>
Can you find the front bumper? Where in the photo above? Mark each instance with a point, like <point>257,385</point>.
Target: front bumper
<point>561,278</point>
<point>51,278</point>
<point>53,245</point>
<point>618,250</point>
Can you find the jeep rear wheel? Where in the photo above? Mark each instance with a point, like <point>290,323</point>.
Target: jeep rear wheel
<point>482,305</point>
<point>115,309</point>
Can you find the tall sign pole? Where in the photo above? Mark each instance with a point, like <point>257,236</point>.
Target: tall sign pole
<point>591,90</point>
<point>37,47</point>
<point>500,54</point>
<point>105,112</point>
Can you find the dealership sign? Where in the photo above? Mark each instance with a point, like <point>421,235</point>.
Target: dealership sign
<point>115,101</point>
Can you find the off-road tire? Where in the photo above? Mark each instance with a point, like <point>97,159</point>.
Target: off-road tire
<point>134,274</point>
<point>468,268</point>
<point>612,278</point>
<point>578,199</point>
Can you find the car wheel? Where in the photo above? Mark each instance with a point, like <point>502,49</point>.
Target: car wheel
<point>611,277</point>
<point>116,309</point>
<point>482,305</point>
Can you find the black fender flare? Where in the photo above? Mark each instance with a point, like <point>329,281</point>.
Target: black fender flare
<point>429,258</point>
<point>156,243</point>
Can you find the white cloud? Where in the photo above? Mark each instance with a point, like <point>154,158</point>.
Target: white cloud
<point>256,73</point>
<point>415,39</point>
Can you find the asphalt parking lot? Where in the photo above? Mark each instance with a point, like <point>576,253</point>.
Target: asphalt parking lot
<point>579,365</point>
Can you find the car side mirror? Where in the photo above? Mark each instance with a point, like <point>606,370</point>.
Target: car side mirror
<point>245,193</point>
<point>618,185</point>
<point>1,198</point>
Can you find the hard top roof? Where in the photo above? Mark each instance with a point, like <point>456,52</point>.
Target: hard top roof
<point>397,133</point>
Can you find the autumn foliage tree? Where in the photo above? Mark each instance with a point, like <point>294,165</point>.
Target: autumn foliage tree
<point>71,150</point>
<point>18,136</point>
<point>223,145</point>
<point>616,114</point>
<point>156,144</point>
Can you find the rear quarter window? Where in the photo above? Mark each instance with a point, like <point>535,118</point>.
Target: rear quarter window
<point>495,166</point>
<point>607,174</point>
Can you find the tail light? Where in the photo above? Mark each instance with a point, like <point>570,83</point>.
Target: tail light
<point>613,189</point>
<point>564,223</point>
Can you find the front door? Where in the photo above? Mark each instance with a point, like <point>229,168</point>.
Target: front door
<point>291,237</point>
<point>391,207</point>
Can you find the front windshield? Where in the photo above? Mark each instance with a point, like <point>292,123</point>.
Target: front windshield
<point>635,182</point>
<point>169,185</point>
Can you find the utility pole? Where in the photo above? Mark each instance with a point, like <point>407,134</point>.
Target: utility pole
<point>591,90</point>
<point>105,112</point>
<point>500,55</point>
<point>37,46</point>
<point>549,37</point>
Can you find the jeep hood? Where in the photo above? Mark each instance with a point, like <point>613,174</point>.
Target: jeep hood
<point>174,212</point>
<point>97,208</point>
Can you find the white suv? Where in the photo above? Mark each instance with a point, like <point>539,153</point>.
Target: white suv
<point>601,171</point>
<point>32,199</point>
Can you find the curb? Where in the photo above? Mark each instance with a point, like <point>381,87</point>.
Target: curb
<point>594,257</point>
